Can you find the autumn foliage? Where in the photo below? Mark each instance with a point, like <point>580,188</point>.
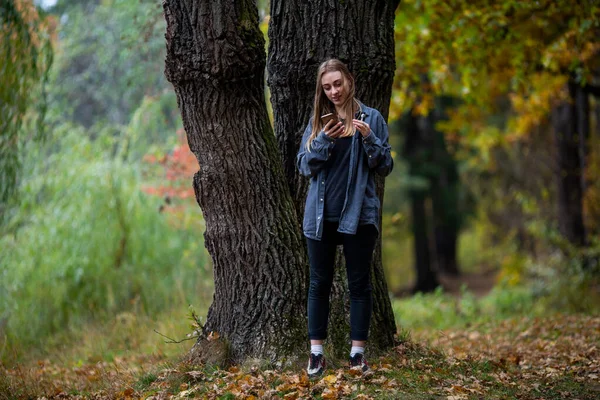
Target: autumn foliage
<point>508,64</point>
<point>179,167</point>
<point>525,358</point>
<point>26,39</point>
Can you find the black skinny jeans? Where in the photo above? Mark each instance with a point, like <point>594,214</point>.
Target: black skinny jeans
<point>358,252</point>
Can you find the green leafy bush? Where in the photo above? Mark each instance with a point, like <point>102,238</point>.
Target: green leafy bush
<point>85,242</point>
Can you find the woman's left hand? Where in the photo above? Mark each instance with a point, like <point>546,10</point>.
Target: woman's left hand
<point>362,127</point>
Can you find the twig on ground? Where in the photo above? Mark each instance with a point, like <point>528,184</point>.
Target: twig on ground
<point>171,340</point>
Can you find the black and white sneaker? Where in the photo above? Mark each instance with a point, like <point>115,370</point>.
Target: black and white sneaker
<point>316,365</point>
<point>359,363</point>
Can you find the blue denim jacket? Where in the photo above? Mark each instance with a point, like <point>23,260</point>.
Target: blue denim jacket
<point>368,155</point>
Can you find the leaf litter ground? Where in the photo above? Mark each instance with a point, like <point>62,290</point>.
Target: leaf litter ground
<point>555,357</point>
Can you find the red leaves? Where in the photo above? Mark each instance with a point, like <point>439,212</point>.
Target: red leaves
<point>179,168</point>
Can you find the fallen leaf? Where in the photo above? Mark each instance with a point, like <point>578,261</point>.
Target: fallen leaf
<point>304,381</point>
<point>196,375</point>
<point>186,393</point>
<point>329,394</point>
<point>284,387</point>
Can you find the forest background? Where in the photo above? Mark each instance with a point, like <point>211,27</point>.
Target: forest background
<point>101,237</point>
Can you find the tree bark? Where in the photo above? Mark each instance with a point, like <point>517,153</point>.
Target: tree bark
<point>582,103</point>
<point>568,171</point>
<point>302,35</point>
<point>445,186</point>
<point>418,150</point>
<point>597,110</point>
<point>215,61</point>
<point>426,276</point>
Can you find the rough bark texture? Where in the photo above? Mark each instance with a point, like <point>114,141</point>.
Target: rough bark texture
<point>568,171</point>
<point>302,35</point>
<point>215,61</point>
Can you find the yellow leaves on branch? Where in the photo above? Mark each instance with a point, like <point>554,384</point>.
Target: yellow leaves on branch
<point>424,106</point>
<point>533,105</point>
<point>486,52</point>
<point>568,50</point>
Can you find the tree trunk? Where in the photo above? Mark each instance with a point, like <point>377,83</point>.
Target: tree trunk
<point>444,196</point>
<point>418,150</point>
<point>302,35</point>
<point>426,277</point>
<point>582,104</point>
<point>597,109</point>
<point>568,171</point>
<point>215,61</point>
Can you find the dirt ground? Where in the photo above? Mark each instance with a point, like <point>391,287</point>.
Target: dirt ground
<point>478,283</point>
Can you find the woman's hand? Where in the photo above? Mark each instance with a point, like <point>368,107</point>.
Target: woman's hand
<point>362,127</point>
<point>334,129</point>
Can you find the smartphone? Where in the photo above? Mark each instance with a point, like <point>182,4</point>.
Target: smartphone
<point>329,117</point>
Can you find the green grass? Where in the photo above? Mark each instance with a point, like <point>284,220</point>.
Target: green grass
<point>440,310</point>
<point>100,356</point>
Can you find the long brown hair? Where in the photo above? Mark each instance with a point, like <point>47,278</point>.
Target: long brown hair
<point>323,105</point>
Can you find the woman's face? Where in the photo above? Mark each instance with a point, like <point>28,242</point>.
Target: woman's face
<point>333,85</point>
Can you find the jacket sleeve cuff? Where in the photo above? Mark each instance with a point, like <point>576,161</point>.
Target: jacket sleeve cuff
<point>323,137</point>
<point>369,139</point>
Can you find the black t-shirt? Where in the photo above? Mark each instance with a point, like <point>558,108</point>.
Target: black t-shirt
<point>337,178</point>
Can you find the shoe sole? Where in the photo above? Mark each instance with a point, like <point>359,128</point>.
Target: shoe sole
<point>316,375</point>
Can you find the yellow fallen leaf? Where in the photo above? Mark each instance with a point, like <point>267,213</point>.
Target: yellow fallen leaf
<point>329,394</point>
<point>304,381</point>
<point>458,388</point>
<point>284,387</point>
<point>385,368</point>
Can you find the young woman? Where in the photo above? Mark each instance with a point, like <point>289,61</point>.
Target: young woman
<point>342,208</point>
